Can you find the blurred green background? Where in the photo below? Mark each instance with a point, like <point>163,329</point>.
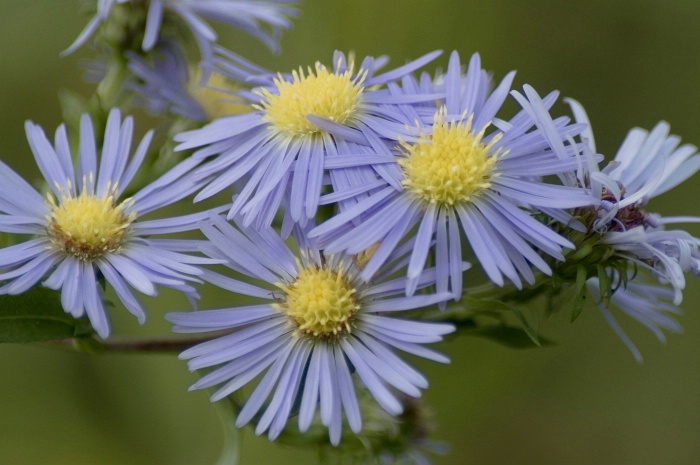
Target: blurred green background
<point>583,401</point>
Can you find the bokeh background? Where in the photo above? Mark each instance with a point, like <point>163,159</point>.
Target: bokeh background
<point>582,401</point>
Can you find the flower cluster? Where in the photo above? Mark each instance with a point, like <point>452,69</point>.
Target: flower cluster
<point>389,183</point>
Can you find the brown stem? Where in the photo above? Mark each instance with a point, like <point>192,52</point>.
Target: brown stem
<point>134,344</point>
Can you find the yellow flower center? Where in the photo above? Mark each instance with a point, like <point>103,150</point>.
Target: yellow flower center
<point>88,227</point>
<point>320,302</point>
<point>213,98</point>
<point>450,166</point>
<point>335,97</point>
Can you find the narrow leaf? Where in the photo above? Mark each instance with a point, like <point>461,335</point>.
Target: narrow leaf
<point>529,330</point>
<point>580,299</point>
<point>489,305</point>
<point>578,305</point>
<point>509,336</point>
<point>604,284</point>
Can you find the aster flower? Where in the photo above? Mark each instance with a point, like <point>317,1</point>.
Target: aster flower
<point>317,325</point>
<point>648,304</point>
<point>84,227</point>
<point>461,168</point>
<point>262,19</point>
<point>167,84</point>
<point>282,146</point>
<point>647,164</point>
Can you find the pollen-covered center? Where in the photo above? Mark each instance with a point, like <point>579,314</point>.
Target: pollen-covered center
<point>213,96</point>
<point>88,227</point>
<point>322,93</point>
<point>320,302</point>
<point>452,165</point>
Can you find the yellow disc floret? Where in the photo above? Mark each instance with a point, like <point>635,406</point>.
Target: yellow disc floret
<point>322,93</point>
<point>450,166</point>
<point>320,302</point>
<point>213,96</point>
<point>88,227</point>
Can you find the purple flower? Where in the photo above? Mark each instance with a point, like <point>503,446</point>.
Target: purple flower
<point>317,331</point>
<point>84,226</point>
<point>167,84</point>
<point>262,19</point>
<point>647,164</point>
<point>466,172</point>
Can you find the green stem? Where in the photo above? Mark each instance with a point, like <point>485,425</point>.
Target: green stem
<point>486,299</point>
<point>485,290</point>
<point>111,89</point>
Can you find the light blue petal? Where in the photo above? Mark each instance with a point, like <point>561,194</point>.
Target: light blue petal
<point>347,391</point>
<point>92,301</point>
<point>371,381</point>
<point>153,22</point>
<point>261,392</point>
<point>132,274</point>
<point>122,291</point>
<point>310,394</point>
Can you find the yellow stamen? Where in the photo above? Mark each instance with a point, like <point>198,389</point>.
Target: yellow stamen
<point>87,227</point>
<point>320,302</point>
<point>320,92</point>
<point>450,166</point>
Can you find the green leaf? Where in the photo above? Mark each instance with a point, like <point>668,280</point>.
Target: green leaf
<point>489,306</point>
<point>37,316</point>
<point>227,410</point>
<point>578,305</point>
<point>509,336</point>
<point>529,330</point>
<point>466,315</point>
<point>580,300</point>
<point>581,252</point>
<point>475,306</point>
<point>581,276</point>
<point>605,285</point>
